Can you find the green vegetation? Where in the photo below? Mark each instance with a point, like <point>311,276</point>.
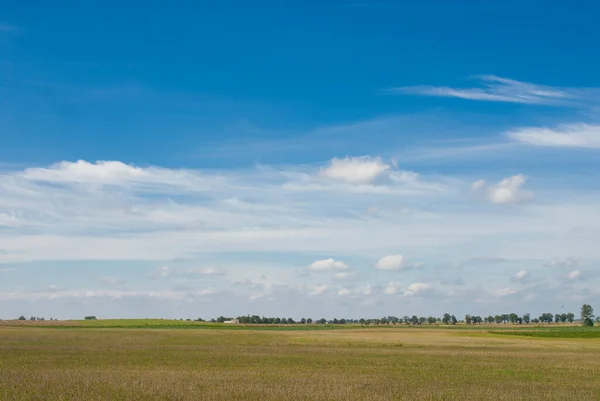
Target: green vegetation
<point>562,332</point>
<point>403,362</point>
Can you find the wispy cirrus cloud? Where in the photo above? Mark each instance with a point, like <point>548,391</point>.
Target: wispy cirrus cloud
<point>564,136</point>
<point>493,88</point>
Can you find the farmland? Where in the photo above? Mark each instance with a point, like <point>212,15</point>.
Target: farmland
<point>98,360</point>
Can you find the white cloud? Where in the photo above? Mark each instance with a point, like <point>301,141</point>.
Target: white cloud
<point>391,262</point>
<point>505,291</point>
<point>55,294</point>
<point>568,262</point>
<point>477,185</point>
<point>319,289</point>
<point>342,276</point>
<point>565,136</point>
<point>509,190</point>
<point>498,89</point>
<point>521,275</point>
<point>574,275</point>
<point>356,170</point>
<point>416,289</point>
<point>327,265</point>
<point>161,272</point>
<point>208,271</point>
<point>392,288</point>
<point>343,292</point>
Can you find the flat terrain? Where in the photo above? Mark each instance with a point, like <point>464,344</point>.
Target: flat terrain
<point>58,362</point>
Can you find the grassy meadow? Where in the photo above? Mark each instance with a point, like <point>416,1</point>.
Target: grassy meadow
<point>156,359</point>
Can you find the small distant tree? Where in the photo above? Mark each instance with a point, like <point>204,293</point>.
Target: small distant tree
<point>446,319</point>
<point>587,315</point>
<point>513,317</point>
<point>454,320</point>
<point>563,317</point>
<point>570,317</point>
<point>498,319</point>
<point>309,321</point>
<point>422,320</point>
<point>22,317</point>
<point>527,318</point>
<point>468,319</point>
<point>557,318</point>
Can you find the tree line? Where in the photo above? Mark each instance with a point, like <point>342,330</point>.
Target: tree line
<point>587,318</point>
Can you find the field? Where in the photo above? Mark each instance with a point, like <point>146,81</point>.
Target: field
<point>154,359</point>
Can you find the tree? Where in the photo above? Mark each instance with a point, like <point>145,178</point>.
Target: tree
<point>468,319</point>
<point>454,320</point>
<point>557,318</point>
<point>563,317</point>
<point>309,321</point>
<point>527,318</point>
<point>513,317</point>
<point>422,320</point>
<point>22,318</point>
<point>570,317</point>
<point>587,315</point>
<point>447,318</point>
<point>498,319</point>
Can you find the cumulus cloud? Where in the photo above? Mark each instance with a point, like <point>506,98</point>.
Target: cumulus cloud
<point>327,265</point>
<point>574,275</point>
<point>391,262</point>
<point>564,136</point>
<point>521,275</point>
<point>416,289</point>
<point>356,170</point>
<point>392,288</point>
<point>319,289</point>
<point>344,292</point>
<point>509,190</point>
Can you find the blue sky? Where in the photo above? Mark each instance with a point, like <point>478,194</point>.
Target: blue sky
<point>334,158</point>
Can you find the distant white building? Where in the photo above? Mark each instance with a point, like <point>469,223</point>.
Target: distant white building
<point>231,321</point>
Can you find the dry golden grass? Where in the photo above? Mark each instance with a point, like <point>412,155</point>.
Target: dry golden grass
<point>356,364</point>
